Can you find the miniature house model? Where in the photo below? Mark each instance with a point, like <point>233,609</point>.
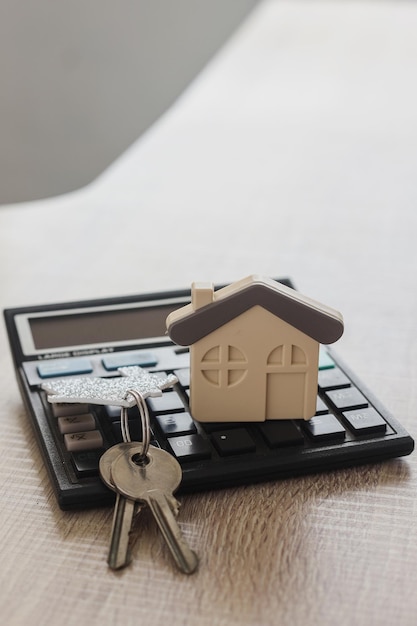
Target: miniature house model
<point>254,348</point>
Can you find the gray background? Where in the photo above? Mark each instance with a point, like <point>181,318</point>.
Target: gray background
<point>81,80</point>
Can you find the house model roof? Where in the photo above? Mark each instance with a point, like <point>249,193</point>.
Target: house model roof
<point>211,309</point>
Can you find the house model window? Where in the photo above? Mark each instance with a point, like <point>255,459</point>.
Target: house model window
<point>254,349</point>
<point>224,365</point>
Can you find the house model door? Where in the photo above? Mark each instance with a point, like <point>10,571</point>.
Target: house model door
<point>288,382</point>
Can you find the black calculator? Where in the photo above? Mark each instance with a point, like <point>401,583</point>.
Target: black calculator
<point>97,337</point>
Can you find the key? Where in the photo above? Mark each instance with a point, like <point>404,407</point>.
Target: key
<point>105,465</point>
<point>153,482</point>
<point>124,514</point>
<point>106,461</point>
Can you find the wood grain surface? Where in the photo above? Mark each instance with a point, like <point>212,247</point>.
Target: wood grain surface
<point>294,153</point>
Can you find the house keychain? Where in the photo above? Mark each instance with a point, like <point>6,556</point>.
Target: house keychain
<point>138,473</point>
<point>254,350</point>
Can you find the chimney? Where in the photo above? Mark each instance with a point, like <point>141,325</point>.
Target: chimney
<point>201,294</point>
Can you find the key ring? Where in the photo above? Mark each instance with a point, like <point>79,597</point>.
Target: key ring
<point>146,427</point>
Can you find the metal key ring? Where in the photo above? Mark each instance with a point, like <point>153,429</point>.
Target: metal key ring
<point>146,427</point>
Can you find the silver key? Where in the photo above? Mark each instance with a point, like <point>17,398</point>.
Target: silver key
<point>153,482</point>
<point>106,461</point>
<point>125,511</point>
<point>123,516</point>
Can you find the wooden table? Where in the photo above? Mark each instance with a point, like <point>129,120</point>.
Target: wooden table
<point>294,153</point>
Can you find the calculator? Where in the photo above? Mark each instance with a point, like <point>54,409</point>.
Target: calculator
<point>97,337</point>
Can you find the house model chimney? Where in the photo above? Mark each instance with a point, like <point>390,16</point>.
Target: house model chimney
<point>201,294</point>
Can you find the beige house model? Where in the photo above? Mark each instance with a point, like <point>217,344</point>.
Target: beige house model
<point>254,349</point>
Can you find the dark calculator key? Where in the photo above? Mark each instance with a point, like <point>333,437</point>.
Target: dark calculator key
<point>86,462</point>
<point>346,399</point>
<point>333,378</point>
<point>324,427</point>
<point>112,412</point>
<point>169,402</point>
<point>183,376</point>
<point>279,434</point>
<point>211,427</point>
<point>190,447</point>
<point>176,424</point>
<point>365,421</point>
<point>183,350</point>
<point>235,441</point>
<point>135,430</point>
<point>321,407</point>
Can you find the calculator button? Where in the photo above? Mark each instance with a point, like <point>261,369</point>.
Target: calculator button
<point>86,462</point>
<point>321,407</point>
<point>67,408</point>
<point>135,430</point>
<point>325,360</point>
<point>169,402</point>
<point>279,434</point>
<point>324,427</point>
<point>64,367</point>
<point>112,412</point>
<point>176,424</point>
<point>346,399</point>
<point>127,359</point>
<point>235,441</point>
<point>76,423</point>
<point>333,379</point>
<point>365,421</point>
<point>90,440</point>
<point>211,427</point>
<point>181,350</point>
<point>183,376</point>
<point>190,447</point>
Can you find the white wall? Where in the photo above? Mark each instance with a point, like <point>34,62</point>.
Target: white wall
<point>80,80</point>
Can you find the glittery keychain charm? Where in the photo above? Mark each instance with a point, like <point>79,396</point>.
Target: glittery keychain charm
<point>108,391</point>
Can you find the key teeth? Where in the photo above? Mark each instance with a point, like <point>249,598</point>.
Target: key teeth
<point>174,504</point>
<point>185,558</point>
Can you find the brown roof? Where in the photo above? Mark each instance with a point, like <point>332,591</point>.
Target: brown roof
<point>188,325</point>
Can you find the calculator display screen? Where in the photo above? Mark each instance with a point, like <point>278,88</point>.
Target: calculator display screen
<point>98,327</point>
